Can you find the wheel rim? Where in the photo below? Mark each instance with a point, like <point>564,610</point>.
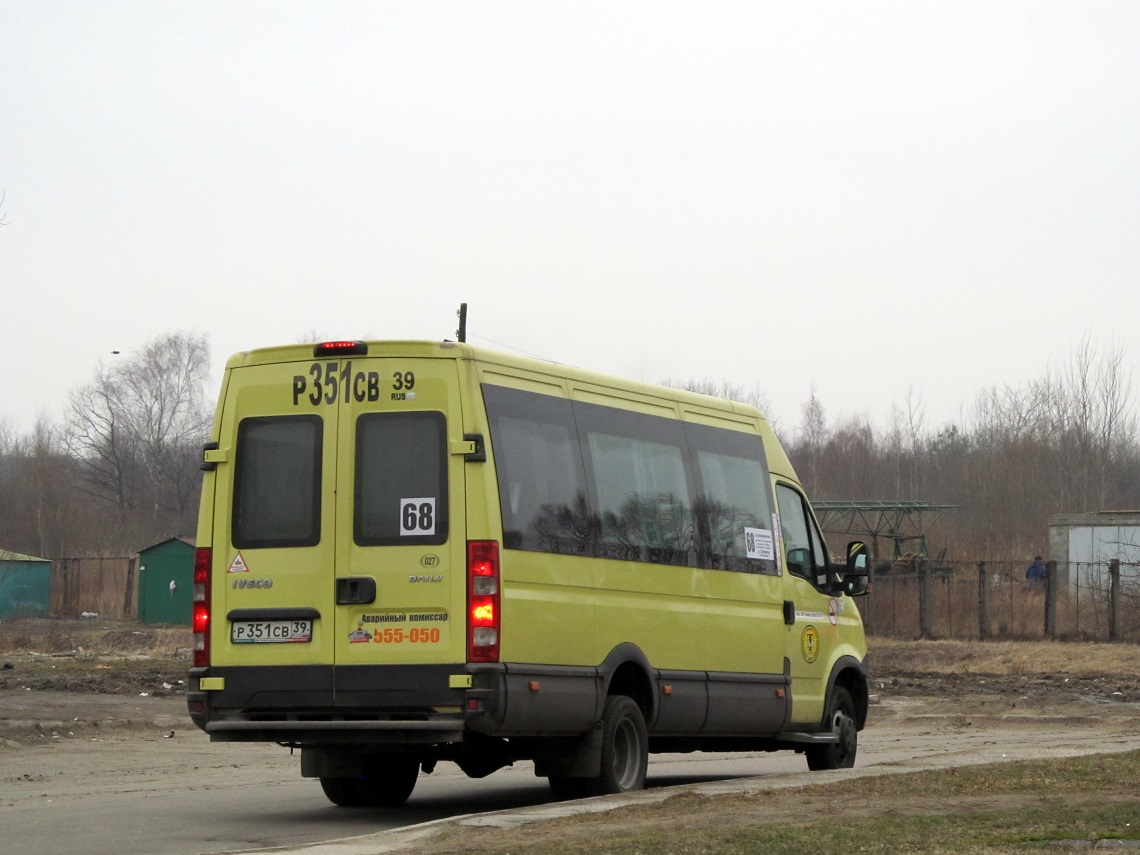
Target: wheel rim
<point>844,727</point>
<point>626,755</point>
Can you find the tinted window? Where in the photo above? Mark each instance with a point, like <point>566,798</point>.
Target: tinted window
<point>542,491</point>
<point>806,554</point>
<point>593,480</point>
<point>277,482</point>
<point>733,509</point>
<point>401,479</point>
<point>639,485</point>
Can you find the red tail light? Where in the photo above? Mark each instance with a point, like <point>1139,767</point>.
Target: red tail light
<point>203,558</point>
<point>483,601</point>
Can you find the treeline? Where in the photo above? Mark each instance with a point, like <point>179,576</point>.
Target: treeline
<point>121,470</point>
<point>1066,443</point>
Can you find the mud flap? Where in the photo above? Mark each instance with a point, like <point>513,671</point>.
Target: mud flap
<point>570,757</point>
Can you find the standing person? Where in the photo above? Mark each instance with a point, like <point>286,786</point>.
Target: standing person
<point>1035,573</point>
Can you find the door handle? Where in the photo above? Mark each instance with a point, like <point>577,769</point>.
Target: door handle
<point>355,591</point>
<point>789,612</point>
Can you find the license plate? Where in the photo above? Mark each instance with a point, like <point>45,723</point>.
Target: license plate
<point>270,631</point>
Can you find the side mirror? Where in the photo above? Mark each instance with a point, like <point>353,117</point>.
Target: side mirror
<point>854,582</point>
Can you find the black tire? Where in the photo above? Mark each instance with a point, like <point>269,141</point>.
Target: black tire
<point>342,792</point>
<point>625,749</point>
<point>386,783</point>
<point>840,720</point>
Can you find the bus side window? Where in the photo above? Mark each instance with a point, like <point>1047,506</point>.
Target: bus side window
<point>642,496</point>
<point>805,552</point>
<point>538,461</point>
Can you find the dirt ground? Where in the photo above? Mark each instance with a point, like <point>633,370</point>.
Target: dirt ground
<point>102,657</point>
<point>933,702</point>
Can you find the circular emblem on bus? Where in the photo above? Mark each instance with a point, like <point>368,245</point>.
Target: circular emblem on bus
<point>429,560</point>
<point>809,643</point>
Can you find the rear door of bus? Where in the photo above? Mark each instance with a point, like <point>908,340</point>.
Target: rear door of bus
<point>339,534</point>
<point>400,521</point>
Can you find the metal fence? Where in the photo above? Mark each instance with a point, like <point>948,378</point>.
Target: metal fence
<point>995,600</point>
<point>102,586</point>
<point>921,599</point>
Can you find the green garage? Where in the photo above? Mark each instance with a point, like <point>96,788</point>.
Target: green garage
<point>166,582</point>
<point>25,585</point>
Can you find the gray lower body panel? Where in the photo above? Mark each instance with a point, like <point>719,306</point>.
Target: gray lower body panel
<point>391,705</point>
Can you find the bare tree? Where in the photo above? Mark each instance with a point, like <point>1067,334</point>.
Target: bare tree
<point>100,439</point>
<point>166,413</point>
<point>49,488</point>
<point>9,500</point>
<point>916,440</point>
<point>848,463</point>
<point>813,436</point>
<point>136,429</point>
<point>1092,422</point>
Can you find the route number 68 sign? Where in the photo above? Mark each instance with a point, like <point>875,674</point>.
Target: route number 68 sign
<point>417,516</point>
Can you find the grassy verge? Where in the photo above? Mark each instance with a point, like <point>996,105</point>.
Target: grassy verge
<point>895,656</point>
<point>1002,808</point>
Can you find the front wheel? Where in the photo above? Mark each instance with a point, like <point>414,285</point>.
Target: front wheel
<point>841,719</point>
<point>625,749</point>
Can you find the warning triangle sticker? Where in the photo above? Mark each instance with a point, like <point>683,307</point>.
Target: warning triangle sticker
<point>238,565</point>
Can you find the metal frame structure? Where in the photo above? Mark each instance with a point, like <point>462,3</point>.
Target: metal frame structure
<point>899,522</point>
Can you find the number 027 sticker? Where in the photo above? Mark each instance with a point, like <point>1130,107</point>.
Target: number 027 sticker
<point>417,516</point>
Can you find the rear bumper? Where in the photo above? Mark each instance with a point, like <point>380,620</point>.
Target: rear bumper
<point>391,705</point>
<point>307,705</point>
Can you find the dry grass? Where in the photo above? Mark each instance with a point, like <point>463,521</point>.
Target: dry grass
<point>107,639</point>
<point>1076,659</point>
<point>1001,808</point>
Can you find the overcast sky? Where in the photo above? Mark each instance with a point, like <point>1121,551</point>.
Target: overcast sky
<point>863,198</point>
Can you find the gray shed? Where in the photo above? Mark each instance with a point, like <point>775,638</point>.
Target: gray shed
<point>1083,544</point>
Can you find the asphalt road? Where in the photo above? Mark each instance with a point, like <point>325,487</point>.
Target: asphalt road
<point>125,794</point>
<point>159,787</point>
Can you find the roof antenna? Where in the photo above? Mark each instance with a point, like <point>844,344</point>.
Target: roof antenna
<point>461,333</point>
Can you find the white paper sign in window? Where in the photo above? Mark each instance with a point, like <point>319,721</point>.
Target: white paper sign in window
<point>417,516</point>
<point>758,544</point>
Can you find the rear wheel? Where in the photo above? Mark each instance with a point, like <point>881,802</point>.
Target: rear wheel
<point>386,783</point>
<point>342,792</point>
<point>841,718</point>
<point>625,749</point>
